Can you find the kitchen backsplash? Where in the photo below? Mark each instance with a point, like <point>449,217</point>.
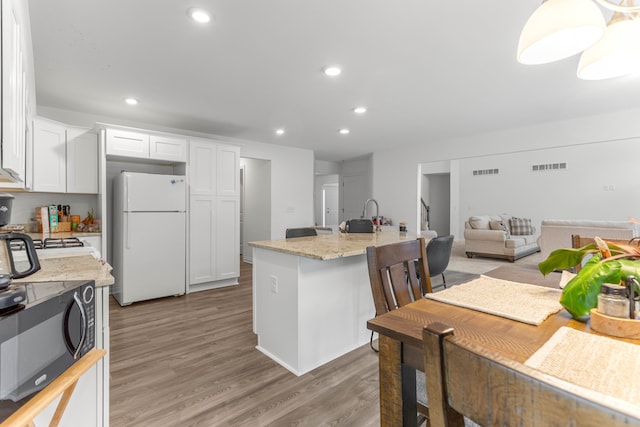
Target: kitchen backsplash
<point>24,204</point>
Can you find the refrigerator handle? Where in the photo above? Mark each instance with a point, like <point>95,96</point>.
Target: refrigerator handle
<point>126,192</point>
<point>126,230</point>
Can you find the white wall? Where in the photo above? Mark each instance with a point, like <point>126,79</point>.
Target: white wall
<point>599,149</point>
<point>291,168</point>
<point>356,186</point>
<point>291,184</point>
<point>24,204</point>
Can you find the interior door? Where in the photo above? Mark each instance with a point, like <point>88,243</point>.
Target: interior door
<point>330,205</point>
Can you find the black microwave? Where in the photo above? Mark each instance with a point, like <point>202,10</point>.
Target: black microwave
<point>51,328</point>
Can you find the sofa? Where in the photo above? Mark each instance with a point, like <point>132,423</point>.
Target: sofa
<point>500,236</point>
<point>556,233</point>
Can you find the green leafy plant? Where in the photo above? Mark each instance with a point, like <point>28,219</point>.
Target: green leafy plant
<point>609,263</point>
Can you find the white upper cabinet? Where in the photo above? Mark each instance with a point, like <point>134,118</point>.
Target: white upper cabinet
<point>126,144</point>
<point>17,74</point>
<point>228,167</point>
<point>65,158</point>
<point>49,157</point>
<point>82,161</point>
<point>165,148</point>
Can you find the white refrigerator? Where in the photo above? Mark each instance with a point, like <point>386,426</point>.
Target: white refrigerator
<point>149,236</point>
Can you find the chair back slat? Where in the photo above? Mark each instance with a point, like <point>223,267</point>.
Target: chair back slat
<point>464,379</point>
<point>394,279</point>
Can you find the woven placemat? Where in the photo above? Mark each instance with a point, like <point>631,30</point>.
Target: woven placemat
<point>517,301</point>
<point>592,361</point>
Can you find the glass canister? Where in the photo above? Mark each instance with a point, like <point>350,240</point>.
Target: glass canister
<point>613,301</point>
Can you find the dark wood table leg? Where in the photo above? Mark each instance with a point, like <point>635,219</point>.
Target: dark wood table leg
<point>397,386</point>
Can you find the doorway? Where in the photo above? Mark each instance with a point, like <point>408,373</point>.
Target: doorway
<point>330,205</point>
<point>255,202</point>
<point>436,203</point>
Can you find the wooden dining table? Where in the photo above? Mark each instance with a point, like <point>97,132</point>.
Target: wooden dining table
<point>401,347</point>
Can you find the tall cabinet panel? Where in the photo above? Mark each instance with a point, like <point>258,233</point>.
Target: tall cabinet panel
<point>214,215</point>
<point>203,166</point>
<point>228,170</point>
<point>202,241</point>
<point>228,237</point>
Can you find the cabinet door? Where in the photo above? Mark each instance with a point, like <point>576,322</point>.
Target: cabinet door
<point>127,144</point>
<point>228,237</point>
<point>228,163</point>
<point>82,161</point>
<point>202,168</point>
<point>13,126</point>
<point>170,149</point>
<point>202,239</point>
<point>49,157</point>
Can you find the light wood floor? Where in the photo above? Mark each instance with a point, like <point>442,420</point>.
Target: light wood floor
<point>191,361</point>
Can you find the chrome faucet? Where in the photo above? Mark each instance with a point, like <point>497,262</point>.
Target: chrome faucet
<point>364,210</point>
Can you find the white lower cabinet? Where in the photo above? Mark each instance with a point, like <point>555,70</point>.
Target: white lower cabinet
<point>202,240</point>
<point>228,237</point>
<point>89,404</point>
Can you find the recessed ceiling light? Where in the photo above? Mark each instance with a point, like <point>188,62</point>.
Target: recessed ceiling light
<point>280,131</point>
<point>332,70</point>
<point>344,131</point>
<point>131,101</point>
<point>360,110</point>
<point>199,15</point>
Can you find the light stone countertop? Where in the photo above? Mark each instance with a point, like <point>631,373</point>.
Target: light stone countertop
<point>331,246</point>
<point>75,266</point>
<point>61,235</point>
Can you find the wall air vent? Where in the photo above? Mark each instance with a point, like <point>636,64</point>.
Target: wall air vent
<point>548,167</point>
<point>486,172</point>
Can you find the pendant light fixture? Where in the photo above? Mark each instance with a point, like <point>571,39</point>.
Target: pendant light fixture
<point>616,54</point>
<point>561,28</point>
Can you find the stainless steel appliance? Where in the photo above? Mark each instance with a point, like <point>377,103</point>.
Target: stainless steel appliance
<point>8,268</point>
<point>6,200</point>
<point>42,335</point>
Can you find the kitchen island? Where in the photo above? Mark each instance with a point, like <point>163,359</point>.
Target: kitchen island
<point>312,297</point>
<point>89,404</point>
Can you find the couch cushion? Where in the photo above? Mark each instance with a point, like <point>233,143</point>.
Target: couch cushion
<point>479,222</point>
<point>505,220</point>
<point>499,225</point>
<point>515,242</point>
<point>520,226</point>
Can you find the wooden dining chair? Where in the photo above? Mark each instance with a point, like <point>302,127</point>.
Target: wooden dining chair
<point>465,380</point>
<point>399,275</point>
<point>578,241</point>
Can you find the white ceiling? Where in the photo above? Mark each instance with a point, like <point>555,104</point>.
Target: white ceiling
<point>427,70</point>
